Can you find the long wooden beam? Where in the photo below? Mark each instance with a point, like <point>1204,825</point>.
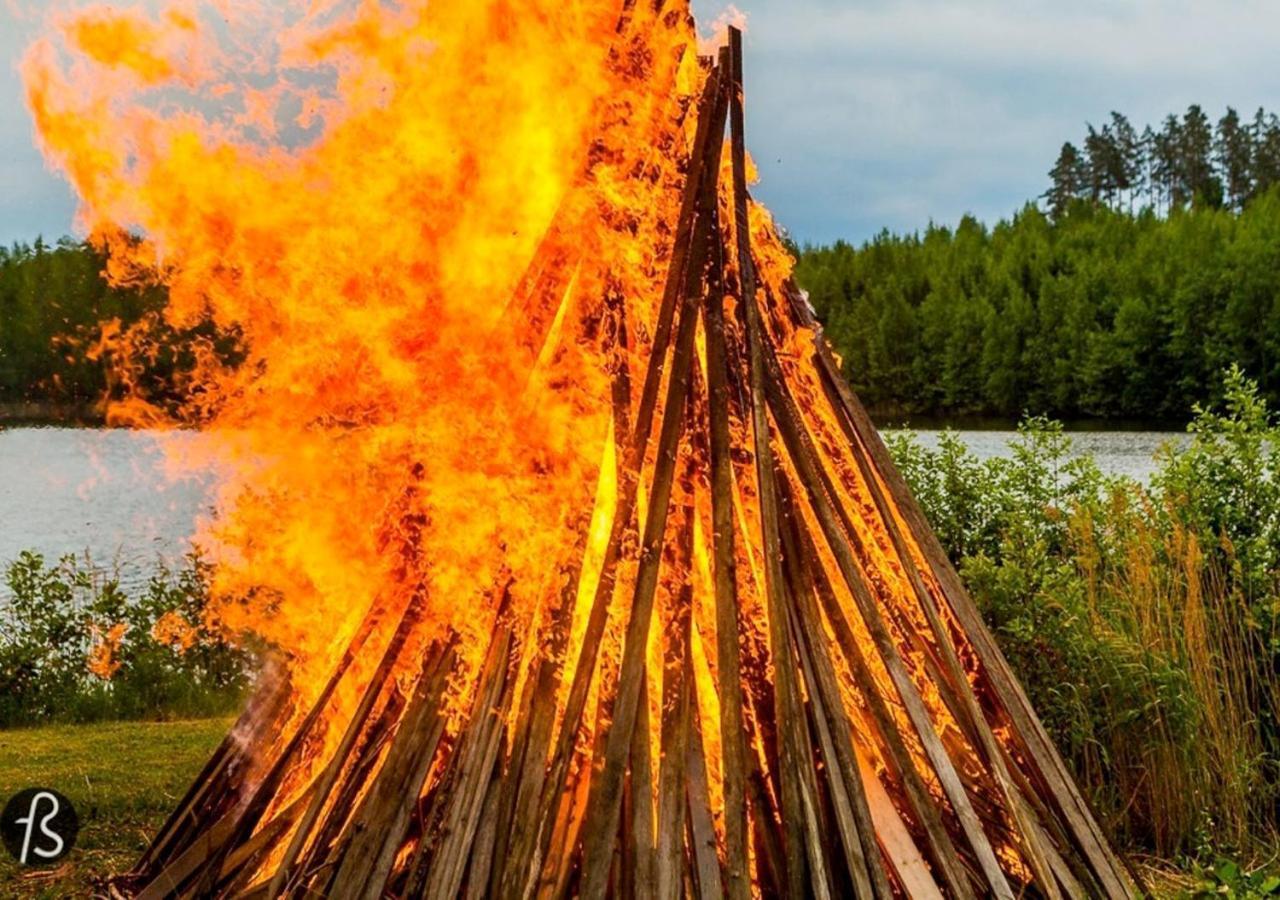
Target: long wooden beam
<point>606,790</point>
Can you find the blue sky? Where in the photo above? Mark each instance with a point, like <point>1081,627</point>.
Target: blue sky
<point>886,113</point>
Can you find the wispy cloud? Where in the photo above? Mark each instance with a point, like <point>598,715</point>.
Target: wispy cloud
<point>882,113</point>
<point>890,114</point>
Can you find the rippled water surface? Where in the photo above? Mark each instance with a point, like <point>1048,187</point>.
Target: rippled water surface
<point>116,496</point>
<point>111,494</point>
<point>1130,453</point>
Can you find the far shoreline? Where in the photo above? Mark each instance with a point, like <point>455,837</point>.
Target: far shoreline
<point>43,414</point>
<point>970,422</point>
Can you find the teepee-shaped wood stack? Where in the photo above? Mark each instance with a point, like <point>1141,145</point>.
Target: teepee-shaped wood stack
<point>843,724</point>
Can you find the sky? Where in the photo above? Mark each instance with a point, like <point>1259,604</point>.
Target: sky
<point>872,114</point>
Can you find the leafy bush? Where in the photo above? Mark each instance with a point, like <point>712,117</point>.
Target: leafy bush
<point>74,646</point>
<point>1140,618</point>
<point>1227,879</point>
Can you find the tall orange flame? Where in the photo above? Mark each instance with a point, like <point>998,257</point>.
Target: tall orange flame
<point>450,238</point>
<point>359,189</point>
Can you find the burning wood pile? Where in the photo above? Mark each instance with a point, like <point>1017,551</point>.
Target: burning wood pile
<point>748,670</point>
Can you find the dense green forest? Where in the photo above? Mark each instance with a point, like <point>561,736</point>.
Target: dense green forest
<point>1148,266</point>
<point>1151,267</point>
<point>54,303</point>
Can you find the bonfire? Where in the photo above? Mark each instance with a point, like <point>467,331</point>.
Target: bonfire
<point>584,570</point>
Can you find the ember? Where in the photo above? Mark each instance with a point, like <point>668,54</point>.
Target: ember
<point>652,612</point>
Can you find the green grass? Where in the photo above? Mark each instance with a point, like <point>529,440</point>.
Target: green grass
<point>124,778</point>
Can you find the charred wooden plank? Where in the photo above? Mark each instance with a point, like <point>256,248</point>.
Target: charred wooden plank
<point>802,454</point>
<point>701,162</point>
<point>641,852</point>
<point>377,829</point>
<point>831,720</point>
<point>215,789</point>
<point>1111,873</point>
<point>356,725</point>
<point>942,851</point>
<point>604,808</point>
<point>799,804</point>
<point>207,852</point>
<point>476,756</point>
<point>673,761</point>
<point>729,664</point>
<point>702,836</point>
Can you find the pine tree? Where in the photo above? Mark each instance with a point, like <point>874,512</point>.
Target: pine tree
<point>1167,166</point>
<point>1068,177</point>
<point>1233,151</point>
<point>1100,149</point>
<point>1125,155</point>
<point>1265,133</point>
<point>1195,155</point>
<point>1147,182</point>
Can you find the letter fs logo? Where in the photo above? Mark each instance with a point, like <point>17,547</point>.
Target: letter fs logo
<point>39,826</point>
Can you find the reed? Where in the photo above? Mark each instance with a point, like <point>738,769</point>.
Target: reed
<point>1140,617</point>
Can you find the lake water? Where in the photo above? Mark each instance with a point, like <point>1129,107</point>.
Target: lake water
<point>1130,453</point>
<point>112,495</point>
<point>106,493</point>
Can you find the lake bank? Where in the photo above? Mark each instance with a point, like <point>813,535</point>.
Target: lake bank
<point>115,494</point>
<point>889,421</point>
<point>42,414</point>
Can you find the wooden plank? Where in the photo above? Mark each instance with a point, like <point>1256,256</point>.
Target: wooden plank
<point>1109,870</point>
<point>220,783</point>
<point>378,827</point>
<point>391,655</point>
<point>333,834</point>
<point>910,868</point>
<point>628,477</point>
<point>960,696</point>
<point>528,769</point>
<point>476,755</point>
<point>831,721</point>
<point>211,846</point>
<point>263,839</point>
<point>801,451</point>
<point>606,791</point>
<point>673,761</point>
<point>941,850</point>
<point>799,808</point>
<point>480,865</point>
<point>702,834</point>
<point>728,661</point>
<point>641,857</point>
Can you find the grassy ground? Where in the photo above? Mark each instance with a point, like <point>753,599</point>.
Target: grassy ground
<point>123,778</point>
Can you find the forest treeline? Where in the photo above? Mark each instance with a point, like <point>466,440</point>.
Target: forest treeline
<point>1149,268</point>
<point>54,303</point>
<point>1185,161</point>
<point>1094,313</point>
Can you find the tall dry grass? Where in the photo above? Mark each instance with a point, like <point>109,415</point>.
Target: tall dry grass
<point>1178,756</point>
<point>1142,619</point>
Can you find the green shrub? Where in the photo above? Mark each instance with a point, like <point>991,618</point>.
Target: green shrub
<point>1140,618</point>
<point>74,646</point>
